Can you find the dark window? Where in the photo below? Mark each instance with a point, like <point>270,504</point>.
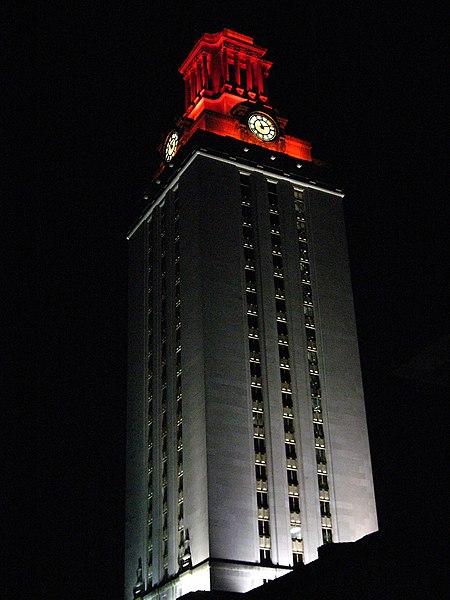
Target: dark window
<point>250,276</point>
<point>262,500</point>
<point>288,425</point>
<point>321,456</point>
<point>294,504</point>
<point>261,472</point>
<point>287,400</point>
<point>285,376</point>
<point>283,352</point>
<point>255,369</point>
<point>249,253</point>
<point>264,528</point>
<point>292,477</point>
<point>280,305</point>
<point>282,327</point>
<point>264,556</point>
<point>315,383</point>
<point>278,283</point>
<point>260,445</point>
<point>290,451</point>
<point>323,482</point>
<point>253,345</point>
<point>257,394</point>
<point>325,509</point>
<point>307,292</point>
<point>305,272</point>
<point>276,239</point>
<point>246,213</point>
<point>318,430</point>
<point>252,321</point>
<point>277,261</point>
<point>327,536</point>
<point>252,298</point>
<point>274,220</point>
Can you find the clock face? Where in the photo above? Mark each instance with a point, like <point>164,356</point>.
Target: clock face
<point>170,146</point>
<point>262,126</point>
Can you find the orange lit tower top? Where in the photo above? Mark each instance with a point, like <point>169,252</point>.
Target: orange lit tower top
<point>225,67</point>
<point>225,78</point>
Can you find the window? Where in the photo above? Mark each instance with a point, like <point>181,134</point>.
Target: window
<point>264,556</point>
<point>306,276</point>
<point>294,504</point>
<point>292,477</point>
<point>261,472</point>
<point>285,376</point>
<point>257,394</point>
<point>276,240</point>
<point>288,425</point>
<point>255,369</point>
<point>318,430</point>
<point>321,456</point>
<point>282,328</point>
<point>274,220</point>
<point>258,420</point>
<point>315,384</point>
<point>308,311</point>
<point>253,345</point>
<point>246,213</point>
<point>290,451</point>
<point>327,536</point>
<point>287,400</point>
<point>307,293</point>
<point>260,445</point>
<point>303,249</point>
<point>280,305</point>
<point>283,352</point>
<point>301,230</point>
<point>311,339</point>
<point>262,500</point>
<point>277,261</point>
<point>323,482</point>
<point>249,253</point>
<point>252,321</point>
<point>250,277</point>
<point>325,509</point>
<point>264,528</point>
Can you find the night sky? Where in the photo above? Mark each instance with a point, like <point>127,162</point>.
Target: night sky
<point>364,87</point>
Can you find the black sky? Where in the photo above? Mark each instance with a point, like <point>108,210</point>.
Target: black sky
<point>364,86</point>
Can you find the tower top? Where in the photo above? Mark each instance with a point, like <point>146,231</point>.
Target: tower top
<point>225,62</point>
<point>225,82</point>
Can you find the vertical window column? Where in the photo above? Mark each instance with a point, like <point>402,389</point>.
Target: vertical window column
<point>259,437</point>
<point>313,366</point>
<point>150,338</point>
<point>285,376</point>
<point>163,378</point>
<point>183,540</point>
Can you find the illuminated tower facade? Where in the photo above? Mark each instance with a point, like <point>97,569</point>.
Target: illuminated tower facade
<point>247,437</point>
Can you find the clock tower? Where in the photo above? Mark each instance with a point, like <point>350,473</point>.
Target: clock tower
<point>225,80</point>
<point>247,443</point>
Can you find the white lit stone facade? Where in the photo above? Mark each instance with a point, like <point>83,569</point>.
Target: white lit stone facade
<point>247,436</point>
